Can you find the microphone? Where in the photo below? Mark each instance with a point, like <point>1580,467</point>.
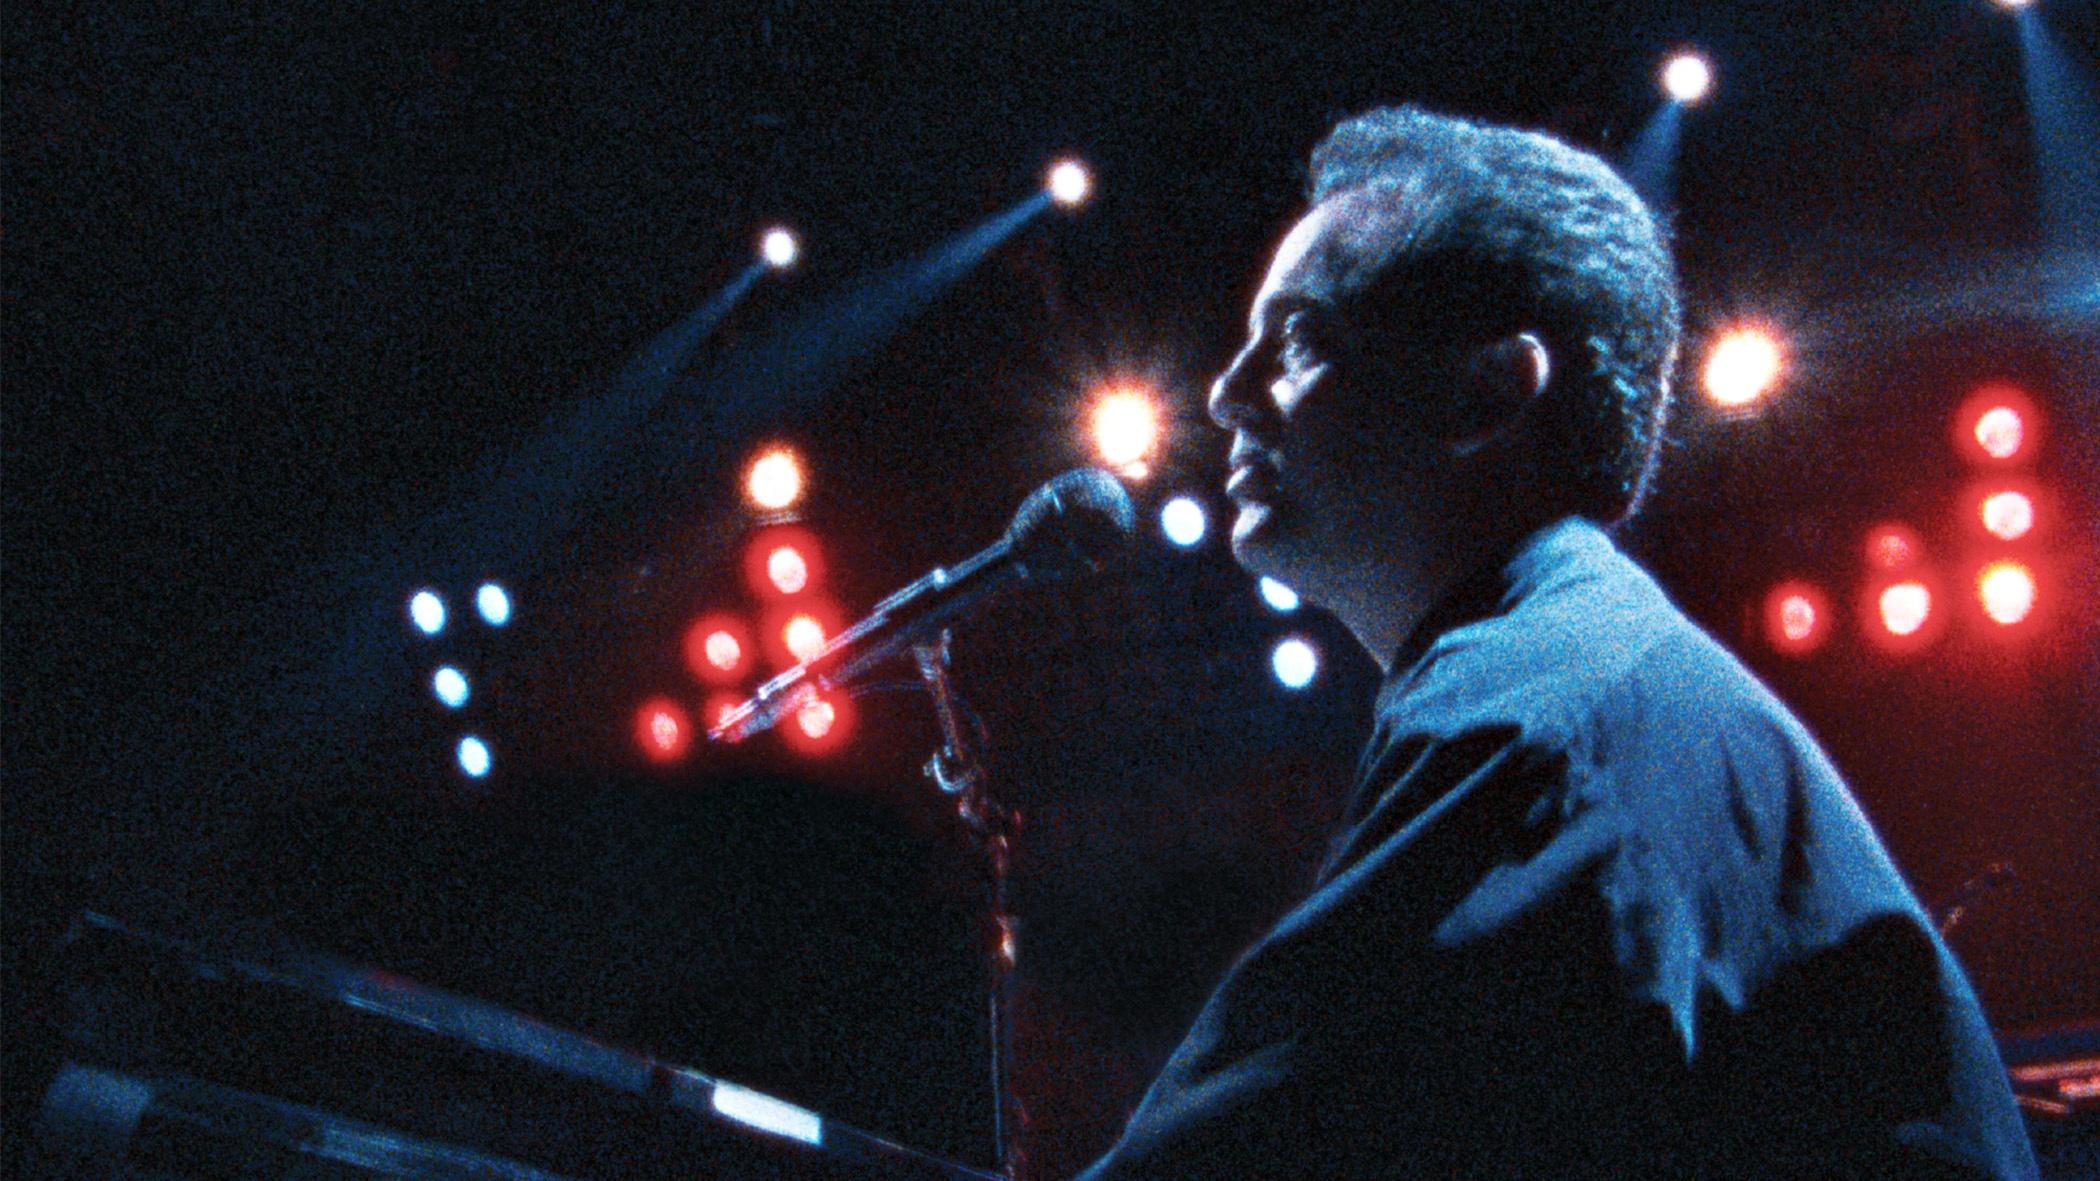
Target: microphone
<point>1075,524</point>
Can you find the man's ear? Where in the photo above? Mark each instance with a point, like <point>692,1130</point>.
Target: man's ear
<point>1496,386</point>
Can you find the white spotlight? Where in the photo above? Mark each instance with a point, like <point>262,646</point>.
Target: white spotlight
<point>1295,662</point>
<point>494,604</point>
<point>1687,78</point>
<point>1184,521</point>
<point>1069,183</point>
<point>428,612</point>
<point>450,685</point>
<point>474,756</point>
<point>1277,595</point>
<point>779,248</point>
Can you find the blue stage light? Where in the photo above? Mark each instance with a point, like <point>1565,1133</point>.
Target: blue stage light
<point>428,612</point>
<point>474,756</point>
<point>494,604</point>
<point>1184,521</point>
<point>1278,596</point>
<point>1296,662</point>
<point>450,685</point>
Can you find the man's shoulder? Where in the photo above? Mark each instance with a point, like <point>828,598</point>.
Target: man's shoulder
<point>1587,654</point>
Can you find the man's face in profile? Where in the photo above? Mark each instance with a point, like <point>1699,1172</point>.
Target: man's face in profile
<point>1308,431</point>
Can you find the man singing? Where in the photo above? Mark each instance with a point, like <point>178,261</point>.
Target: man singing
<point>1599,906</point>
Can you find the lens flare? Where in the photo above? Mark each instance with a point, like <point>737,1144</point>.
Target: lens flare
<point>1744,365</point>
<point>1126,427</point>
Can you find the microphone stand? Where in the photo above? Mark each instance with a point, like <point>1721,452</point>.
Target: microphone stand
<point>958,770</point>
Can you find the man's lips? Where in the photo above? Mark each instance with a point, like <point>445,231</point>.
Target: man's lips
<point>1250,482</point>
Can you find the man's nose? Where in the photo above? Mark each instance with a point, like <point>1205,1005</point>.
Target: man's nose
<point>1230,404</point>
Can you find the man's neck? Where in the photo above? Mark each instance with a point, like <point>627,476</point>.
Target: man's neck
<point>1386,596</point>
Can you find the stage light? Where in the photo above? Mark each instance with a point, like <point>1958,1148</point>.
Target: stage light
<point>2007,515</point>
<point>1184,521</point>
<point>1687,78</point>
<point>794,630</point>
<point>816,718</point>
<point>2013,5</point>
<point>779,248</point>
<point>787,569</point>
<point>1893,547</point>
<point>1278,596</point>
<point>1295,663</point>
<point>717,649</point>
<point>474,757</point>
<point>1743,366</point>
<point>775,479</point>
<point>1905,608</point>
<point>1797,617</point>
<point>821,725</point>
<point>1069,183</point>
<point>2007,592</point>
<point>1999,432</point>
<point>783,561</point>
<point>427,612</point>
<point>722,650</point>
<point>804,636</point>
<point>494,604</point>
<point>1126,426</point>
<point>450,685</point>
<point>662,730</point>
<point>719,705</point>
<point>1996,425</point>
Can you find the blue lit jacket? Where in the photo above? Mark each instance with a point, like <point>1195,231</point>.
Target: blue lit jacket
<point>1599,907</point>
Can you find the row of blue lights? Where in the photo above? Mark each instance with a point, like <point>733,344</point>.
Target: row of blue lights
<point>426,609</point>
<point>1294,660</point>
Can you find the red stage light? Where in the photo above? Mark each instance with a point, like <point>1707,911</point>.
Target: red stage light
<point>1797,617</point>
<point>718,706</point>
<point>1905,607</point>
<point>1997,425</point>
<point>797,629</point>
<point>662,730</point>
<point>783,560</point>
<point>1901,614</point>
<point>718,649</point>
<point>821,726</point>
<point>2007,514</point>
<point>2007,592</point>
<point>787,570</point>
<point>1893,546</point>
<point>803,636</point>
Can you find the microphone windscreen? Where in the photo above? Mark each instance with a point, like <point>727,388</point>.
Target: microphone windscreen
<point>1076,523</point>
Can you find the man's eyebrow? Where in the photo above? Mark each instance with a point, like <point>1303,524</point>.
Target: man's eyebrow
<point>1284,304</point>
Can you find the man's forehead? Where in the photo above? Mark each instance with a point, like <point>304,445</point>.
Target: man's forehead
<point>1335,249</point>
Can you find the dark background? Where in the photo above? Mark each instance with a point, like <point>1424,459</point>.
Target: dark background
<point>293,294</point>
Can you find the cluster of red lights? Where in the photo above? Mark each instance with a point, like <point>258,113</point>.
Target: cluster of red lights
<point>1900,607</point>
<point>784,571</point>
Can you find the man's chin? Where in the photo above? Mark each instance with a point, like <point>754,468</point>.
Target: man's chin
<point>1254,539</point>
